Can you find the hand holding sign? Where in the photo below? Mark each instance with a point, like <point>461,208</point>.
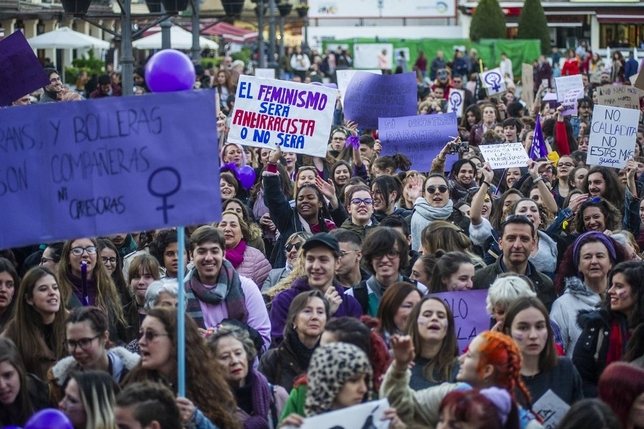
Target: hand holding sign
<point>493,81</point>
<point>569,102</point>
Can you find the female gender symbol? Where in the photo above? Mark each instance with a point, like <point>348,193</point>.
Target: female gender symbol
<point>164,194</point>
<point>494,80</point>
<point>455,99</point>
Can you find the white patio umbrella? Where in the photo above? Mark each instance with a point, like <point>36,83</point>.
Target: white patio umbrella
<point>179,39</point>
<point>66,38</point>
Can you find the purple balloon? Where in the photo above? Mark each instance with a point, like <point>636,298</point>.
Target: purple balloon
<point>246,176</point>
<point>49,418</point>
<point>11,427</point>
<point>170,70</point>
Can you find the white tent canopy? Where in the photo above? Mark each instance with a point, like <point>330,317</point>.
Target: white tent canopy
<point>66,38</point>
<point>179,39</point>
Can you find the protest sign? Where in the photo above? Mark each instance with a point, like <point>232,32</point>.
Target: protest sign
<point>344,77</point>
<point>612,136</point>
<point>619,96</point>
<point>551,408</point>
<point>566,83</point>
<point>455,101</point>
<point>367,415</point>
<point>470,317</point>
<point>20,71</point>
<point>493,81</point>
<point>271,112</point>
<point>265,73</point>
<point>527,81</point>
<point>98,167</point>
<point>570,102</point>
<point>505,155</point>
<point>419,137</point>
<point>370,96</point>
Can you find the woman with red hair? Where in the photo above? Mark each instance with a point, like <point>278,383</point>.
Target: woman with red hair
<point>621,386</point>
<point>478,409</point>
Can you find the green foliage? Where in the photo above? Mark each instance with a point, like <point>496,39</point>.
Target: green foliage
<point>488,21</point>
<point>246,54</point>
<point>534,25</point>
<point>88,63</point>
<point>209,63</point>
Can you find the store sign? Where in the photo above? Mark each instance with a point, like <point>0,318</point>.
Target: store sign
<point>382,8</point>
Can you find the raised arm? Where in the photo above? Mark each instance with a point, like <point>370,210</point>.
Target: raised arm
<point>548,200</point>
<point>479,197</point>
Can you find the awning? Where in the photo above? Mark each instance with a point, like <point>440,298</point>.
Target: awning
<point>619,19</point>
<point>230,33</point>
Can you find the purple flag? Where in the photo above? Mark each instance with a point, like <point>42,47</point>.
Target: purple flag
<point>538,148</point>
<point>97,167</point>
<point>420,137</point>
<point>20,71</point>
<point>372,96</point>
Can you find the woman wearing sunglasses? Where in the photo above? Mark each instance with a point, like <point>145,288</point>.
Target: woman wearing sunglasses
<point>84,281</point>
<point>208,400</point>
<point>292,248</point>
<point>436,205</point>
<point>87,341</point>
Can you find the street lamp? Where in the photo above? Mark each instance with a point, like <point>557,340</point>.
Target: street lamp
<point>302,10</point>
<point>284,9</point>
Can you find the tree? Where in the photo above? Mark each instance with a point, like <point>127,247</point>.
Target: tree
<point>534,25</point>
<point>488,21</point>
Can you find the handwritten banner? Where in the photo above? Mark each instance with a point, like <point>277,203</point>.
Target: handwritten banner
<point>370,96</point>
<point>493,81</point>
<point>419,137</point>
<point>265,73</point>
<point>368,415</point>
<point>470,316</point>
<point>99,167</point>
<point>271,112</point>
<point>455,101</point>
<point>505,155</point>
<point>20,71</point>
<point>345,76</point>
<point>570,102</point>
<point>565,84</point>
<point>551,408</point>
<point>612,136</point>
<point>619,96</point>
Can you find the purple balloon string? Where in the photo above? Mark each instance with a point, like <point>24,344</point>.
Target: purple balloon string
<point>84,283</point>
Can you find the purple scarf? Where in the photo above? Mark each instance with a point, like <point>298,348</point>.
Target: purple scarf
<point>262,398</point>
<point>236,255</point>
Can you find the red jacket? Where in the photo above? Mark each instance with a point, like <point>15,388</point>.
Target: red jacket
<point>570,67</point>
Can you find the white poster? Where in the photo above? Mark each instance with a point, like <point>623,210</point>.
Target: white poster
<point>271,112</point>
<point>551,408</point>
<point>455,101</point>
<point>365,55</point>
<point>367,415</point>
<point>565,84</point>
<point>267,73</point>
<point>382,8</point>
<point>493,81</point>
<point>505,155</point>
<point>612,136</point>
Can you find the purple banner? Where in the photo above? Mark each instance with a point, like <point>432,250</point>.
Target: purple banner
<point>419,137</point>
<point>372,96</point>
<point>20,71</point>
<point>470,317</point>
<point>97,167</point>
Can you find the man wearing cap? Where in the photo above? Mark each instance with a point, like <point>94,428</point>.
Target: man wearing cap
<point>321,258</point>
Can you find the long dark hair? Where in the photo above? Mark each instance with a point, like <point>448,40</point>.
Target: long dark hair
<point>6,266</point>
<point>323,211</point>
<point>633,271</point>
<point>22,408</point>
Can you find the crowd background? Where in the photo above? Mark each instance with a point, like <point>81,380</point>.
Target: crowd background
<point>313,291</point>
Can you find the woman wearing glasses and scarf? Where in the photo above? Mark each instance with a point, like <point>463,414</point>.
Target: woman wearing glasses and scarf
<point>87,341</point>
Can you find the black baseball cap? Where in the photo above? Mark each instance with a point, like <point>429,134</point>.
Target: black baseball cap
<point>322,239</point>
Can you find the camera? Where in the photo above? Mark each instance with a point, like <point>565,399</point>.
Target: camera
<point>459,147</point>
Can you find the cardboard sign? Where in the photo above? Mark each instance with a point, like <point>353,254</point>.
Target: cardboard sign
<point>265,73</point>
<point>370,96</point>
<point>619,96</point>
<point>420,137</point>
<point>493,81</point>
<point>99,167</point>
<point>20,71</point>
<point>455,101</point>
<point>527,81</point>
<point>505,155</point>
<point>551,408</point>
<point>271,113</point>
<point>638,82</point>
<point>567,83</point>
<point>570,102</point>
<point>612,136</point>
<point>470,317</point>
<point>368,415</point>
<point>345,76</point>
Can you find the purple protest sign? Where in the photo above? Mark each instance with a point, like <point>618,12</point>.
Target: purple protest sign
<point>97,167</point>
<point>470,317</point>
<point>20,71</point>
<point>420,137</point>
<point>371,96</point>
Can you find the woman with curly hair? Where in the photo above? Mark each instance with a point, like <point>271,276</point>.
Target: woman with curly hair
<point>207,393</point>
<point>597,214</point>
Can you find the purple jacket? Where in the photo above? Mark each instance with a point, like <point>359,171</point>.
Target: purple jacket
<point>280,305</point>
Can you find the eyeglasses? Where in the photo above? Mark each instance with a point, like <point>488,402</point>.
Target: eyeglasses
<point>83,343</point>
<point>432,189</point>
<point>290,246</point>
<point>111,261</point>
<point>365,201</point>
<point>150,335</point>
<point>338,138</point>
<point>392,254</point>
<point>565,164</point>
<point>78,251</point>
<point>44,260</point>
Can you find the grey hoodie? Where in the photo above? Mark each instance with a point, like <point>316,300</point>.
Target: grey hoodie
<point>577,297</point>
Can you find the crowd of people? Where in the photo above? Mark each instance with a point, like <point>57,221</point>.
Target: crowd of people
<point>314,290</point>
